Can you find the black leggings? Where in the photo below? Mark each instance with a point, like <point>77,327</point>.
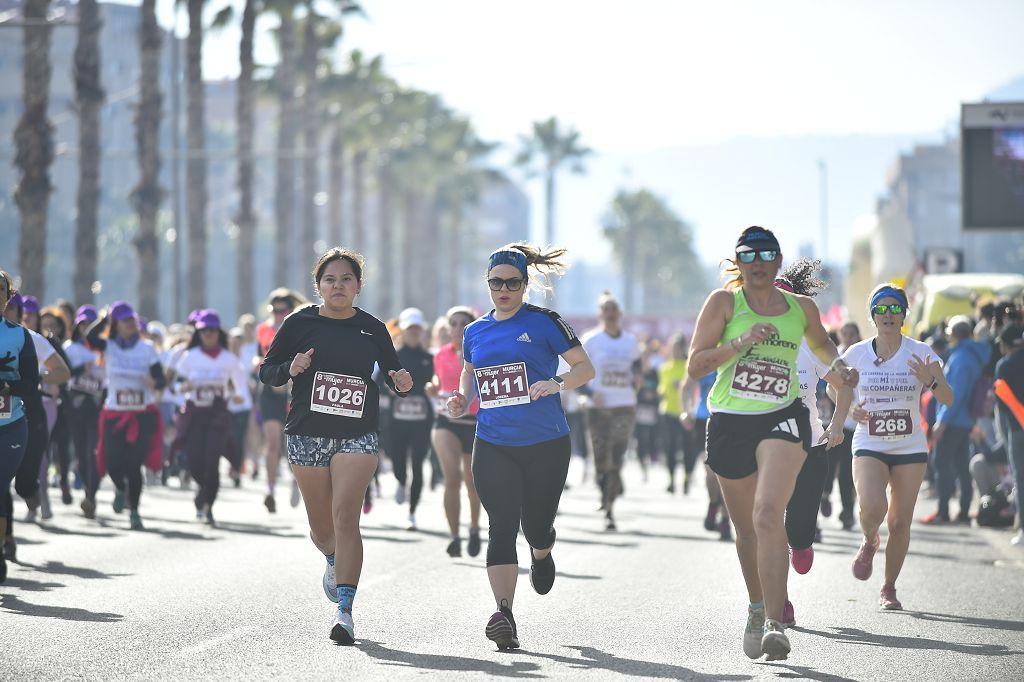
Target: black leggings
<point>26,482</point>
<point>645,442</point>
<point>124,460</point>
<point>60,439</point>
<point>840,461</point>
<point>13,438</point>
<point>677,438</point>
<point>520,486</point>
<point>83,421</point>
<point>410,439</point>
<point>802,510</point>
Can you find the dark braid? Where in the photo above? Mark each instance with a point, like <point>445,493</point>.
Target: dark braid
<point>801,276</point>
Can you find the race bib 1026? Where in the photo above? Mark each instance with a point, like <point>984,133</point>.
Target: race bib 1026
<point>338,394</point>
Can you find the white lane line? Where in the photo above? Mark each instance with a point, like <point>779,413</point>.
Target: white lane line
<point>215,641</point>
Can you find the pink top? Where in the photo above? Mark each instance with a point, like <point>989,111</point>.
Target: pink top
<point>448,368</point>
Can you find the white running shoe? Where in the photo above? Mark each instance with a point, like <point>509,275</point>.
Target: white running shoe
<point>344,630</point>
<point>296,495</point>
<point>753,633</point>
<point>400,495</point>
<point>1018,539</point>
<point>412,522</point>
<point>774,643</point>
<point>330,583</point>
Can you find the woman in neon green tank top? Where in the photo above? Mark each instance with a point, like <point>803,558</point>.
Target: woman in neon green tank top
<point>759,432</point>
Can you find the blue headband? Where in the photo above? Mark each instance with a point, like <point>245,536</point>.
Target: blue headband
<point>517,259</point>
<point>885,292</point>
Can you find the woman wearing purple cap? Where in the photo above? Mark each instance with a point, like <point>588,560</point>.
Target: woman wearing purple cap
<point>208,373</point>
<point>129,426</point>
<point>88,382</point>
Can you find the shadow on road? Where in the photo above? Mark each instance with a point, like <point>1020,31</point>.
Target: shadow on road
<point>595,659</point>
<point>31,585</point>
<point>991,623</point>
<point>59,568</point>
<point>15,605</point>
<point>526,571</point>
<point>442,663</point>
<point>857,636</point>
<point>57,530</point>
<point>802,672</point>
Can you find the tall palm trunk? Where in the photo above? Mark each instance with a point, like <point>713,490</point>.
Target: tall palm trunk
<point>454,248</point>
<point>429,275</point>
<point>549,224</point>
<point>358,199</point>
<point>33,139</point>
<point>411,220</point>
<point>195,169</point>
<point>246,218</point>
<point>385,199</point>
<point>336,188</point>
<point>89,98</point>
<point>146,195</point>
<point>311,134</point>
<point>284,182</point>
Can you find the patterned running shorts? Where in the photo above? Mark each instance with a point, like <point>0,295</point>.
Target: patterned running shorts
<point>314,451</point>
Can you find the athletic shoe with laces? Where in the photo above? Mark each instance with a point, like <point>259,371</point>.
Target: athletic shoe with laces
<point>887,599</point>
<point>711,519</point>
<point>455,548</point>
<point>473,546</point>
<point>801,559</point>
<point>330,582</point>
<point>65,493</point>
<point>753,633</point>
<point>788,615</point>
<point>135,521</point>
<point>412,522</point>
<point>1018,539</point>
<point>343,631</point>
<point>865,555</point>
<point>30,516</point>
<point>501,628</point>
<point>826,507</point>
<point>542,573</point>
<point>774,642</point>
<point>270,504</point>
<point>118,504</point>
<point>208,517</point>
<point>89,508</point>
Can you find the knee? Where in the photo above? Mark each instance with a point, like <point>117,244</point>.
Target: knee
<point>539,536</point>
<point>768,516</point>
<point>872,506</point>
<point>452,482</point>
<point>899,526</point>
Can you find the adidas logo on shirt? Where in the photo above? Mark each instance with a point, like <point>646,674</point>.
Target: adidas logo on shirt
<point>524,337</point>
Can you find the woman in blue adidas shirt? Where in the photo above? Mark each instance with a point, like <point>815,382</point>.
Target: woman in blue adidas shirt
<point>521,454</point>
<point>19,376</point>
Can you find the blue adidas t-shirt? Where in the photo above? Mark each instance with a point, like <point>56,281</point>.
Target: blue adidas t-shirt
<point>16,353</point>
<point>534,336</point>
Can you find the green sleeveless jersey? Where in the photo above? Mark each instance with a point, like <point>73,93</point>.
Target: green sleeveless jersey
<point>763,378</point>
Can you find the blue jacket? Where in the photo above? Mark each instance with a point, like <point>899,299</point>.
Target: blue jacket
<point>966,363</point>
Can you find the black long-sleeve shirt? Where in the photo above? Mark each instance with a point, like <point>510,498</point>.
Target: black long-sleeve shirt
<point>336,397</point>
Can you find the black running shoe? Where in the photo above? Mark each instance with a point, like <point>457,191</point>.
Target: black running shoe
<point>542,573</point>
<point>501,628</point>
<point>455,548</point>
<point>474,543</point>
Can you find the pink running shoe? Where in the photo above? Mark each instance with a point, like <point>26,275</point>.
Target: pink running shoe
<point>862,563</point>
<point>788,615</point>
<point>887,599</point>
<point>802,559</point>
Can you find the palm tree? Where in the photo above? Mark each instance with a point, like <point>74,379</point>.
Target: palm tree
<point>195,168</point>
<point>89,97</point>
<point>147,194</point>
<point>552,148</point>
<point>246,217</point>
<point>284,180</point>
<point>33,139</point>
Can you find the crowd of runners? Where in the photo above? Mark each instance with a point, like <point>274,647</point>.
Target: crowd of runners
<point>774,406</point>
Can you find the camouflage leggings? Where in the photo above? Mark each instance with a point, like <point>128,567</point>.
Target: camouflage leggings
<point>610,430</point>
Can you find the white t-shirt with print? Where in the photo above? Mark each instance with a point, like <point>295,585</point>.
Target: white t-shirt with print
<point>811,370</point>
<point>613,359</point>
<point>127,369</point>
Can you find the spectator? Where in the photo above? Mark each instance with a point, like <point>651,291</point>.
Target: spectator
<point>953,424</point>
<point>1010,391</point>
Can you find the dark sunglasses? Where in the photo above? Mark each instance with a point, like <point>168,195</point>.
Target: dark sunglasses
<point>282,311</point>
<point>882,309</point>
<point>512,284</point>
<point>749,256</point>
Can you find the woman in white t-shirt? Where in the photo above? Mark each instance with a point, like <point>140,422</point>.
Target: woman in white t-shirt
<point>615,354</point>
<point>130,428</point>
<point>209,374</point>
<point>889,444</point>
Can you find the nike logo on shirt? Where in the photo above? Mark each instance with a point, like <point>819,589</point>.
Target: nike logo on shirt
<point>365,332</point>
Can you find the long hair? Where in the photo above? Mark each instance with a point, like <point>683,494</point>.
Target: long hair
<point>60,315</point>
<point>222,339</point>
<point>546,263</point>
<point>800,275</point>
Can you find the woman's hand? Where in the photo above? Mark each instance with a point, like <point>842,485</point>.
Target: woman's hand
<point>833,435</point>
<point>758,333</point>
<point>300,363</point>
<point>544,388</point>
<point>456,405</point>
<point>859,414</point>
<point>402,380</point>
<point>925,370</point>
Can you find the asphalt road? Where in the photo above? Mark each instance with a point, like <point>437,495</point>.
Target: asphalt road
<point>659,599</point>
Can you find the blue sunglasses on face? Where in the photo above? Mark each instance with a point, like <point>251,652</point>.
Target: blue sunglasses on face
<point>749,256</point>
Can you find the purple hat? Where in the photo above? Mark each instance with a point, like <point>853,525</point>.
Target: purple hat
<point>30,304</point>
<point>207,319</point>
<point>121,311</point>
<point>86,313</point>
<point>16,301</point>
<point>194,315</point>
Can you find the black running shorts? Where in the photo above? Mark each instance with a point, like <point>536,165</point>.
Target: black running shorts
<point>733,438</point>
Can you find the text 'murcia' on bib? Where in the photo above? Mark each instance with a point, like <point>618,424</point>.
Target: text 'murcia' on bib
<point>338,394</point>
<point>502,385</point>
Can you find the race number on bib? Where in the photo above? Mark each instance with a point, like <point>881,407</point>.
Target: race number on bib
<point>6,406</point>
<point>205,395</point>
<point>338,394</point>
<point>130,399</point>
<point>503,385</point>
<point>616,378</point>
<point>890,424</point>
<point>411,409</point>
<point>86,384</point>
<point>646,415</point>
<point>761,380</point>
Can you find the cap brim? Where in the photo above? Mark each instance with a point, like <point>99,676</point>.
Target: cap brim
<point>758,246</point>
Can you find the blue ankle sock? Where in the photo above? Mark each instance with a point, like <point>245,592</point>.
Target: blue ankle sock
<point>330,559</point>
<point>346,595</point>
<point>759,606</point>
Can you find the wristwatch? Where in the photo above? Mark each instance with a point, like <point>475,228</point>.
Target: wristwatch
<point>560,381</point>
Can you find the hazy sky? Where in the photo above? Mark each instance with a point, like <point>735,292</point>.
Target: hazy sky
<point>646,75</point>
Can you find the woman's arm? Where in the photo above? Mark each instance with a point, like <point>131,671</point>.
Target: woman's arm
<point>705,353</point>
<point>274,369</point>
<point>821,345</point>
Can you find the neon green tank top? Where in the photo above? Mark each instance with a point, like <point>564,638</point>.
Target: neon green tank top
<point>763,378</point>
